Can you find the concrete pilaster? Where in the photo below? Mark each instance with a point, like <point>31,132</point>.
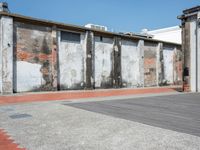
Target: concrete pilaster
<point>140,47</point>
<point>89,61</point>
<point>193,56</point>
<point>159,64</point>
<point>6,54</point>
<point>117,83</point>
<point>198,52</point>
<point>54,58</point>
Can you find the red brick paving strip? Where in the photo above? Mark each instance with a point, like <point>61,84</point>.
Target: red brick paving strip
<point>6,143</point>
<point>78,95</point>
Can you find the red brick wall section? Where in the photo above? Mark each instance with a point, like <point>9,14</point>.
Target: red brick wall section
<point>6,143</point>
<point>37,45</point>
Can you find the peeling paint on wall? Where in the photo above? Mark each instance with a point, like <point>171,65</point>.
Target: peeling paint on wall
<point>150,78</point>
<point>71,63</point>
<point>6,51</point>
<point>33,45</point>
<point>103,62</point>
<point>83,60</point>
<point>178,69</point>
<point>168,57</point>
<point>130,60</point>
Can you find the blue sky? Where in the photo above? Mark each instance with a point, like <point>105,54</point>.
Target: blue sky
<point>118,15</point>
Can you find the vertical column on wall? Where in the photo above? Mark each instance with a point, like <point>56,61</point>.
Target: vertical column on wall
<point>6,50</point>
<point>186,56</point>
<point>183,52</point>
<point>117,83</point>
<point>193,51</point>
<point>54,58</point>
<point>0,55</point>
<point>159,64</point>
<point>198,51</point>
<point>175,70</point>
<point>89,64</point>
<point>141,61</point>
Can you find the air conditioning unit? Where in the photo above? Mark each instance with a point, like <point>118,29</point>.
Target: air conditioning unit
<point>96,27</point>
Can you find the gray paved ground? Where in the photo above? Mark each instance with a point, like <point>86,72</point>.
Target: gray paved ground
<point>63,125</point>
<point>180,113</point>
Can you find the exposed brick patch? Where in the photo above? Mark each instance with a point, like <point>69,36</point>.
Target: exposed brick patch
<point>6,143</point>
<point>65,95</point>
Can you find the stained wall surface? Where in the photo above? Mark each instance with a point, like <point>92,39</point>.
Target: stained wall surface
<point>47,58</point>
<point>191,48</point>
<point>6,54</point>
<point>168,55</point>
<point>71,63</point>
<point>33,58</point>
<point>103,62</point>
<point>130,57</point>
<point>150,60</point>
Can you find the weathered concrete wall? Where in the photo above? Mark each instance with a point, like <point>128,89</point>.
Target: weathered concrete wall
<point>150,53</point>
<point>6,55</point>
<point>130,59</point>
<point>160,65</point>
<point>103,62</point>
<point>178,66</point>
<point>89,64</point>
<point>168,55</point>
<point>1,55</point>
<point>71,63</point>
<point>191,48</point>
<point>44,59</point>
<point>116,70</point>
<point>198,51</point>
<point>172,64</point>
<point>186,55</point>
<point>34,64</point>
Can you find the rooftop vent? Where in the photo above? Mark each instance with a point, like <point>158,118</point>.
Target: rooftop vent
<point>4,7</point>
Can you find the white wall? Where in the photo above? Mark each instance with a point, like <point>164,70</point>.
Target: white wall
<point>130,59</point>
<point>168,54</point>
<point>193,72</point>
<point>103,61</point>
<point>172,34</point>
<point>6,54</point>
<point>29,76</point>
<point>71,63</point>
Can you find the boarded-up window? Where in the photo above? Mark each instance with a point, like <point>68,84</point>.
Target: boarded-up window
<point>70,36</point>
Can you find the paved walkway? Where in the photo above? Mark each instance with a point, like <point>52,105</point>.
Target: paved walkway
<point>6,141</point>
<point>180,112</point>
<point>66,95</point>
<point>112,125</point>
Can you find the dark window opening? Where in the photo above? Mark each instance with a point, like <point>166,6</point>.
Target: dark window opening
<point>186,71</point>
<point>69,36</point>
<point>101,38</point>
